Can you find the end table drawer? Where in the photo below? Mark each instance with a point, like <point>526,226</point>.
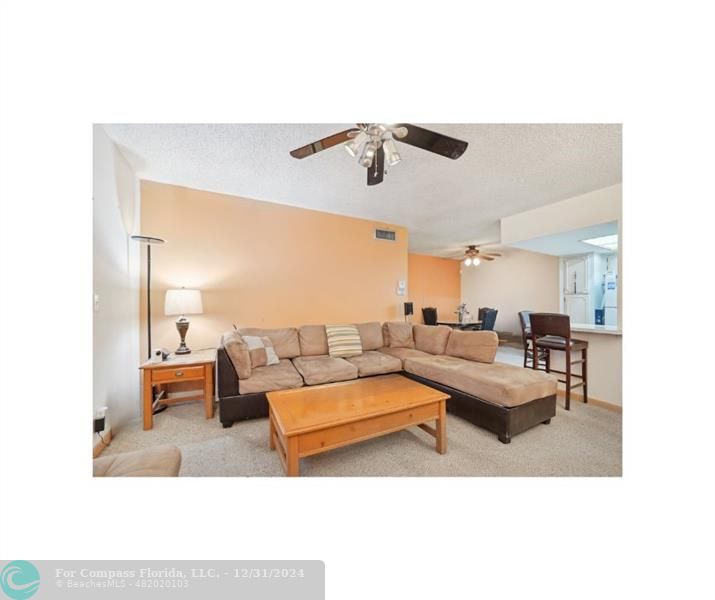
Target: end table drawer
<point>177,374</point>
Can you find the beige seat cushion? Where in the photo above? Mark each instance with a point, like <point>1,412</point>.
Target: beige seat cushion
<point>480,346</point>
<point>285,340</point>
<point>370,335</point>
<point>398,334</point>
<point>498,383</point>
<point>375,363</point>
<point>324,369</point>
<point>431,338</point>
<point>313,341</point>
<point>403,353</point>
<point>160,461</point>
<point>282,376</point>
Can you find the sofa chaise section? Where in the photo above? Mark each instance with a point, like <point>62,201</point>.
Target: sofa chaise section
<point>498,383</point>
<point>501,398</point>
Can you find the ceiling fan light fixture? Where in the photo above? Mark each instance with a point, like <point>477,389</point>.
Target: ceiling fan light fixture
<point>468,261</point>
<point>475,261</point>
<point>368,154</point>
<point>391,154</point>
<point>353,146</point>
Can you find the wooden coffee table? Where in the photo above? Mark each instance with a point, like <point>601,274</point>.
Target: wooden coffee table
<point>315,419</point>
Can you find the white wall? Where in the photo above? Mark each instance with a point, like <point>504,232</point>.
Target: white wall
<point>605,366</point>
<point>519,280</point>
<point>593,208</point>
<point>116,283</point>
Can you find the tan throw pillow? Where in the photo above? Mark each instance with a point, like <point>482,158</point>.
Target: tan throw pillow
<point>400,335</point>
<point>343,340</point>
<point>261,351</point>
<point>237,351</point>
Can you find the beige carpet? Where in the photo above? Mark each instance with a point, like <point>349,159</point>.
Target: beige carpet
<point>583,442</point>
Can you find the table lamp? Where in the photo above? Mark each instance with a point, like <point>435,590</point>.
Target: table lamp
<point>183,302</point>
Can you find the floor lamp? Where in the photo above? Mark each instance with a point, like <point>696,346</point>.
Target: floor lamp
<point>149,241</point>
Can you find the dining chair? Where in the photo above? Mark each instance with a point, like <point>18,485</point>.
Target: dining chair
<point>488,317</point>
<point>542,356</point>
<point>429,315</point>
<point>552,331</point>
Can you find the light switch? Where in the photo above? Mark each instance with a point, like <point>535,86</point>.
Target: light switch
<point>96,303</point>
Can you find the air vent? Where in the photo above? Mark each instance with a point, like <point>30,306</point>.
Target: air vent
<point>385,234</point>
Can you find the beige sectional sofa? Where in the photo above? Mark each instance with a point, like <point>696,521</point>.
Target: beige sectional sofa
<point>502,398</point>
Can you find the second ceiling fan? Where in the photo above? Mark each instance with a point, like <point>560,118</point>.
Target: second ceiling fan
<point>473,255</point>
<point>374,143</point>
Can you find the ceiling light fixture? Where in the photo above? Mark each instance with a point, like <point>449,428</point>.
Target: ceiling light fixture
<point>353,146</point>
<point>474,256</point>
<point>607,242</point>
<point>368,153</point>
<point>374,145</point>
<point>391,154</point>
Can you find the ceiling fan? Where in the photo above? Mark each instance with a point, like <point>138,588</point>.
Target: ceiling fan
<point>473,255</point>
<point>374,143</point>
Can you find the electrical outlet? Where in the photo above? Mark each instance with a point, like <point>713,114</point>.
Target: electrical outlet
<point>99,425</point>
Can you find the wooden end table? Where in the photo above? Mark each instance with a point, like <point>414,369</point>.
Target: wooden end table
<point>197,366</point>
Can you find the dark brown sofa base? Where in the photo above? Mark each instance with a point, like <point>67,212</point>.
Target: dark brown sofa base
<point>242,408</point>
<point>233,406</point>
<point>505,422</point>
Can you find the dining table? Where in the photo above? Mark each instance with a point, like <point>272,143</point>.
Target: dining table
<point>462,326</point>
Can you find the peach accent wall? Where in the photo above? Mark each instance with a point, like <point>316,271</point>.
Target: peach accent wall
<point>264,264</point>
<point>433,281</point>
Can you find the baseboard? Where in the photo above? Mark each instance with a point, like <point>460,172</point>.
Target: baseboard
<point>591,400</point>
<point>101,445</point>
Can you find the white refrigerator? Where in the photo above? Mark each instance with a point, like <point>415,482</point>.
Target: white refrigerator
<point>610,298</point>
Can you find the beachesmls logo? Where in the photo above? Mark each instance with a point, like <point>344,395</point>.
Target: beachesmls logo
<point>19,579</point>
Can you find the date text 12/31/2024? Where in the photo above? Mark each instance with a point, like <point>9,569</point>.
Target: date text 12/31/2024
<point>194,573</point>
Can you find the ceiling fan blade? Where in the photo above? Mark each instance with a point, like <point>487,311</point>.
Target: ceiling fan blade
<point>431,141</point>
<point>376,171</point>
<point>325,143</point>
<point>490,254</point>
<point>484,257</point>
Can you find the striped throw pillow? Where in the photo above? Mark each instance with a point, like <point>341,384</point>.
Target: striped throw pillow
<point>343,340</point>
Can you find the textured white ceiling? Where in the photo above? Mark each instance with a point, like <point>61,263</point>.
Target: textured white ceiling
<point>567,243</point>
<point>445,204</point>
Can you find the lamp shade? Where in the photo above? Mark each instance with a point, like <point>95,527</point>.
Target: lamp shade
<point>183,302</point>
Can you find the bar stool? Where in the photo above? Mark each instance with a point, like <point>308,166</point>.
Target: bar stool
<point>551,331</point>
<point>542,356</point>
